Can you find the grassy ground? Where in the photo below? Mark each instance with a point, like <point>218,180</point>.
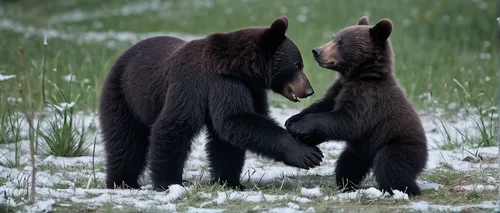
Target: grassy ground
<point>446,60</point>
<point>452,193</point>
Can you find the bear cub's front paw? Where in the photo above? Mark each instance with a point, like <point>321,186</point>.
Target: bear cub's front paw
<point>293,119</point>
<point>301,128</point>
<point>304,157</point>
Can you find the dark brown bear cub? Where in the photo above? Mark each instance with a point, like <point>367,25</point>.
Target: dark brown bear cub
<point>366,108</point>
<point>162,91</point>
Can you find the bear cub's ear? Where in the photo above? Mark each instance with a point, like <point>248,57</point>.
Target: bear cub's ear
<point>382,30</point>
<point>274,35</point>
<point>279,26</point>
<point>363,21</point>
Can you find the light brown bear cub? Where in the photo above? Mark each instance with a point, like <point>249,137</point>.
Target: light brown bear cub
<point>366,108</point>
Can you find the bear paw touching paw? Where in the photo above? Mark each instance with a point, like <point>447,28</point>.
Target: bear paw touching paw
<point>304,128</point>
<point>293,119</point>
<point>306,157</point>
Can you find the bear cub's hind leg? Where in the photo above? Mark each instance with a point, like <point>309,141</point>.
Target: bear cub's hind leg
<point>350,170</point>
<point>396,167</point>
<point>226,161</point>
<point>125,140</point>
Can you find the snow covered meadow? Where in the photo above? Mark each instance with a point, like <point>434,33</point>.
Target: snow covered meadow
<point>70,45</point>
<point>77,182</point>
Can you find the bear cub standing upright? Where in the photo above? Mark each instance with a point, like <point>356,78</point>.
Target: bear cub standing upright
<point>162,91</point>
<point>366,108</point>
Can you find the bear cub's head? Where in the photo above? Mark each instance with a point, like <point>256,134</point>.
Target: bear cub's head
<point>286,65</point>
<point>357,47</point>
<point>263,57</point>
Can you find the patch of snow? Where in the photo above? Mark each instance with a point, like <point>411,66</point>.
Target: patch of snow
<point>256,170</point>
<point>89,36</point>
<point>70,161</point>
<point>301,199</point>
<point>7,200</point>
<point>221,198</point>
<point>253,197</point>
<point>202,210</point>
<point>69,78</point>
<point>420,206</point>
<point>454,158</point>
<point>42,206</point>
<point>175,191</point>
<point>205,195</point>
<point>398,195</point>
<point>293,205</point>
<point>6,77</point>
<point>491,180</point>
<point>284,210</point>
<point>310,210</point>
<point>477,187</point>
<point>271,198</point>
<point>248,197</point>
<point>424,206</point>
<point>64,106</point>
<point>370,193</point>
<point>424,185</point>
<point>14,100</point>
<point>314,192</point>
<point>165,207</point>
<point>126,10</point>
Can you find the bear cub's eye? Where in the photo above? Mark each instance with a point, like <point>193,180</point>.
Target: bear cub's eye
<point>340,43</point>
<point>298,65</point>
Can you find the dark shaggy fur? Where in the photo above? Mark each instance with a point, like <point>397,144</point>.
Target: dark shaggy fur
<point>366,108</point>
<point>163,90</point>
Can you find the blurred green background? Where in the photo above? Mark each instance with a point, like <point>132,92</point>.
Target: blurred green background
<point>435,41</point>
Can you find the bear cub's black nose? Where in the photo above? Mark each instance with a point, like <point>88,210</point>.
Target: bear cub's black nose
<point>316,52</point>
